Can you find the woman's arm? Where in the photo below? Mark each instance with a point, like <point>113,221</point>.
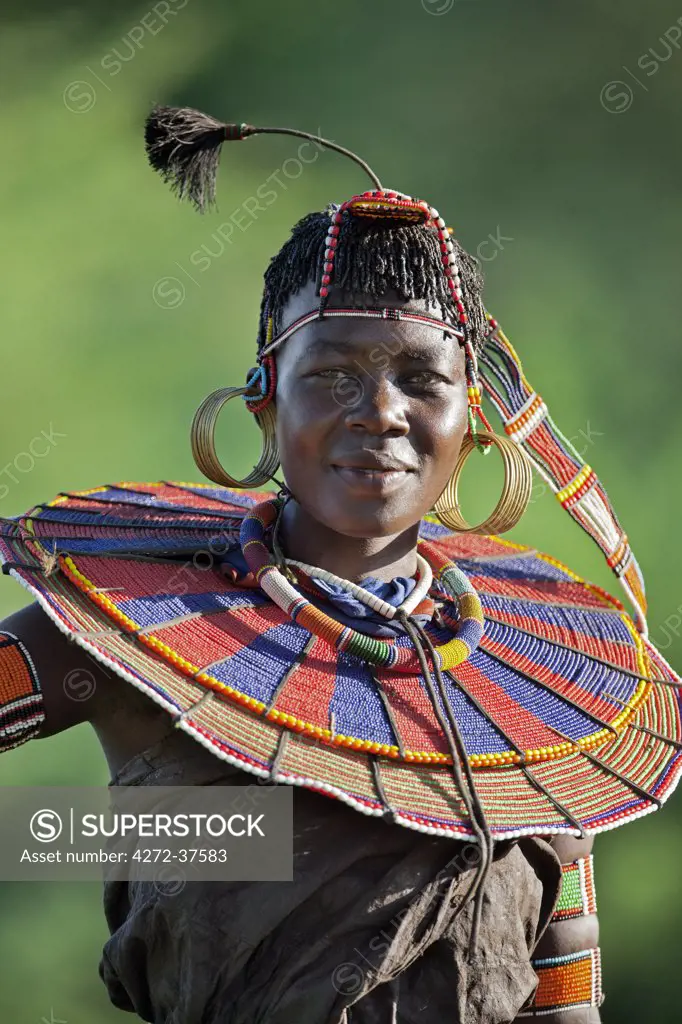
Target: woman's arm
<point>567,935</point>
<point>47,683</point>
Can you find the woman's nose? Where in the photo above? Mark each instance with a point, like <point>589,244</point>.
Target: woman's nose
<point>372,402</point>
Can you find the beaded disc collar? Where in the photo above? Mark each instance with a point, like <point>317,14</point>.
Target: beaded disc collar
<point>569,718</point>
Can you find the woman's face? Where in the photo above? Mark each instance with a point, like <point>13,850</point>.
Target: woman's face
<point>355,396</point>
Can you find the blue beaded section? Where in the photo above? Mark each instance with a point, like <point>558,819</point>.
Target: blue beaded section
<point>158,608</point>
<point>257,669</point>
<point>543,704</point>
<point>357,707</point>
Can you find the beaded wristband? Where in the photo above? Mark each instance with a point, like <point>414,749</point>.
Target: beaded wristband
<point>21,700</point>
<point>577,897</point>
<point>568,982</point>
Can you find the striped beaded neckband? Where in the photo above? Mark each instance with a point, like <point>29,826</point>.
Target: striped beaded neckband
<point>343,638</point>
<point>385,608</point>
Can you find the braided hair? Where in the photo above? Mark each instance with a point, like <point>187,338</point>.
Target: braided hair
<point>374,255</point>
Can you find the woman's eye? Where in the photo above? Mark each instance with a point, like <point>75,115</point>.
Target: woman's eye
<point>334,370</point>
<point>427,377</point>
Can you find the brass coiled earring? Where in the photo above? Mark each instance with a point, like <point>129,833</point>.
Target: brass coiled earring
<point>516,493</point>
<point>202,436</point>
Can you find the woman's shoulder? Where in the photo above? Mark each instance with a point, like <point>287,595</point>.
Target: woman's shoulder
<point>127,518</point>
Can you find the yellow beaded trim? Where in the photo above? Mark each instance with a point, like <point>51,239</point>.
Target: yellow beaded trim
<point>575,484</point>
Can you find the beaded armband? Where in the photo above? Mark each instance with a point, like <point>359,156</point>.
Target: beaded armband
<point>569,982</point>
<point>21,700</point>
<point>577,897</point>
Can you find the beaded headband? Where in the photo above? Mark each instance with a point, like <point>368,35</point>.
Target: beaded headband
<point>183,145</point>
<point>382,313</point>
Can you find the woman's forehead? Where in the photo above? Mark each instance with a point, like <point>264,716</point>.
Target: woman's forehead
<point>370,340</point>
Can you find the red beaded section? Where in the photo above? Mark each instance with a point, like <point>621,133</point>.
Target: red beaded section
<point>388,203</point>
<point>21,700</point>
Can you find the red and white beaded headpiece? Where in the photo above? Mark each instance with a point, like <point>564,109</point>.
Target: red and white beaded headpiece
<point>382,203</point>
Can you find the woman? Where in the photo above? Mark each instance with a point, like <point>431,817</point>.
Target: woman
<point>352,636</point>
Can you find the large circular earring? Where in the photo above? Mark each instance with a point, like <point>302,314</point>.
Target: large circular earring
<point>203,441</point>
<point>516,493</point>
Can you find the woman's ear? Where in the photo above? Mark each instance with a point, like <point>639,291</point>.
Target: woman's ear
<point>254,387</point>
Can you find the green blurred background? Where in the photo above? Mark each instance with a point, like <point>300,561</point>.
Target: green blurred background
<point>550,128</point>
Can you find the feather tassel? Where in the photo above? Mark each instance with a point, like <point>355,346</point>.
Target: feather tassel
<point>183,145</point>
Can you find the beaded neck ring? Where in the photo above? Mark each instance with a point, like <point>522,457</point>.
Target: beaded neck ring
<point>389,611</point>
<point>378,652</point>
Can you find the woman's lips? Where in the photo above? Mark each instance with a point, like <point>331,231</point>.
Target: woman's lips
<point>373,481</point>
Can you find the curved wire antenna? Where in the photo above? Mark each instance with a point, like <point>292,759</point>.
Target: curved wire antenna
<point>184,145</point>
<point>324,142</point>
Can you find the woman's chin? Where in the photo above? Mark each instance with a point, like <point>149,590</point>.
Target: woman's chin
<point>373,515</point>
